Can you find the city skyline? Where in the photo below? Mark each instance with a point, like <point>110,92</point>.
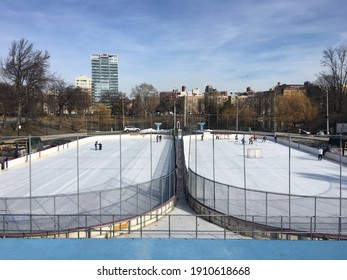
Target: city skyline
<point>228,44</point>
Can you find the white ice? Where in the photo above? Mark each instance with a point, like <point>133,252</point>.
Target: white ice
<point>128,160</point>
<point>142,156</point>
<point>299,174</point>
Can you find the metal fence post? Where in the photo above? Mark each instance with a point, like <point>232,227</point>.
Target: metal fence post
<point>58,217</point>
<point>252,226</point>
<point>169,226</point>
<point>4,224</point>
<point>54,213</point>
<point>266,208</point>
<point>31,227</point>
<point>281,228</point>
<point>113,225</point>
<point>204,191</point>
<point>228,201</point>
<point>161,191</point>
<point>137,198</point>
<point>100,206</point>
<point>141,226</point>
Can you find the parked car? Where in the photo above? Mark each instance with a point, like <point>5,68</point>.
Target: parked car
<point>131,128</point>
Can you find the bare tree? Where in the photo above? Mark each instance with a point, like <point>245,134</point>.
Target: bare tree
<point>7,101</point>
<point>116,101</point>
<point>144,96</point>
<point>27,70</point>
<point>335,78</point>
<point>58,97</point>
<point>80,101</point>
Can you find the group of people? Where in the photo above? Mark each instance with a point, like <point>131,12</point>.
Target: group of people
<point>159,138</point>
<point>252,139</point>
<point>98,146</point>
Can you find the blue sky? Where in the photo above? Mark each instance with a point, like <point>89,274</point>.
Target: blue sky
<point>230,44</point>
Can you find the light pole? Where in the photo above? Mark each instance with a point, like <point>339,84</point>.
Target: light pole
<point>174,91</point>
<point>237,114</point>
<point>185,111</point>
<point>327,92</point>
<point>123,96</point>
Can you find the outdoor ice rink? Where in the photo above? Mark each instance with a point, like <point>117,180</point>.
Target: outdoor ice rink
<point>126,160</point>
<point>223,161</point>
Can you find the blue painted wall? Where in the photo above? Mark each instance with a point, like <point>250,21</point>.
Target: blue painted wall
<point>169,249</point>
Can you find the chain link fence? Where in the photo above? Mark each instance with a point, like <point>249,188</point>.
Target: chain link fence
<point>290,212</point>
<point>53,213</point>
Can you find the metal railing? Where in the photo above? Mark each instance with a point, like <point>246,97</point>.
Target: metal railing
<point>167,226</point>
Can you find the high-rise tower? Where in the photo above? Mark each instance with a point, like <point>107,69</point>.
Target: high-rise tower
<point>104,75</point>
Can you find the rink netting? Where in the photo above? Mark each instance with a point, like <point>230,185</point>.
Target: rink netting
<point>317,215</point>
<point>53,213</point>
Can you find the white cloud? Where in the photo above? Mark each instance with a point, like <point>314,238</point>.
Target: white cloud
<point>230,44</point>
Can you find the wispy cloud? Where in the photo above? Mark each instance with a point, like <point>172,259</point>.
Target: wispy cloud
<point>230,44</point>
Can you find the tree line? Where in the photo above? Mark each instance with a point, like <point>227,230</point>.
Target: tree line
<point>28,90</point>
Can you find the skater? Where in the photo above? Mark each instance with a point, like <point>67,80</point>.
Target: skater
<point>16,151</point>
<point>250,140</point>
<point>202,137</point>
<point>264,138</point>
<point>243,141</point>
<point>275,138</point>
<point>157,138</point>
<point>100,146</point>
<point>96,145</point>
<point>254,137</point>
<point>236,138</point>
<point>320,154</point>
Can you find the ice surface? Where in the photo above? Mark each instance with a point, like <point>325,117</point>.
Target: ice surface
<point>301,173</point>
<point>128,160</point>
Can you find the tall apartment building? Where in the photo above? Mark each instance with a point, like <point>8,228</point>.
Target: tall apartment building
<point>104,75</point>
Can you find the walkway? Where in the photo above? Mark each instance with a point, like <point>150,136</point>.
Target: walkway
<point>182,221</point>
